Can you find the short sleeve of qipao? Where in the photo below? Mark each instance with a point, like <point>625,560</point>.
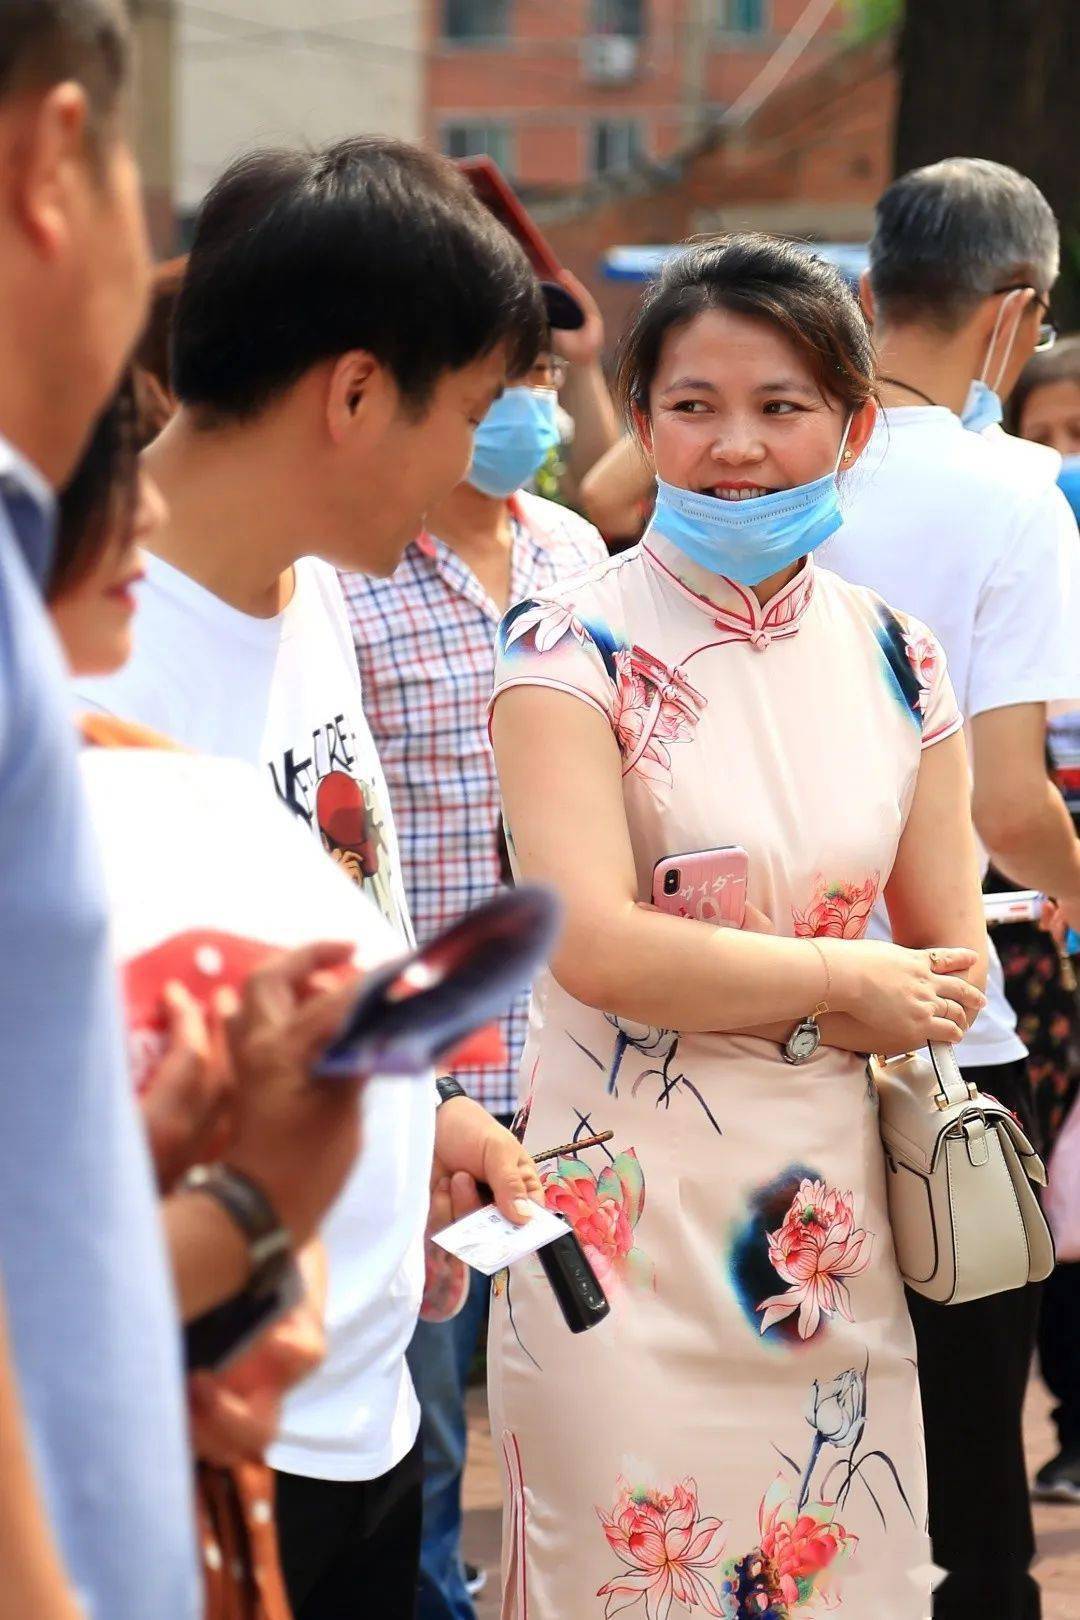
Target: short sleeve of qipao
<point>935,699</point>
<point>545,643</point>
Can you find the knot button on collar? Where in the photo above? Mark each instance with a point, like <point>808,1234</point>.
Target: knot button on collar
<point>760,640</point>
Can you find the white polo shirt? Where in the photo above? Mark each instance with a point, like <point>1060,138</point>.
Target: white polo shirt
<point>969,533</point>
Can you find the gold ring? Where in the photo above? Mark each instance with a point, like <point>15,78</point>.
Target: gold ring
<point>933,960</point>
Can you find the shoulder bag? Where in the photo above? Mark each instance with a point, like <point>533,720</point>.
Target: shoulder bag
<point>958,1173</point>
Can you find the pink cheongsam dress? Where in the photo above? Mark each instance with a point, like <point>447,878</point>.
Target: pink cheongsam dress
<point>741,1436</point>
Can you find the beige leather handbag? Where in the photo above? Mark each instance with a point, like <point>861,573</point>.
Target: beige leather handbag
<point>958,1173</point>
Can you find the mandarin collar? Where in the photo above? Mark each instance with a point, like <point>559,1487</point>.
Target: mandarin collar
<point>732,607</point>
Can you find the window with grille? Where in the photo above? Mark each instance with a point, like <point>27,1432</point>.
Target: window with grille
<point>617,144</point>
<point>479,21</point>
<point>479,140</point>
<point>741,16</point>
<point>623,17</point>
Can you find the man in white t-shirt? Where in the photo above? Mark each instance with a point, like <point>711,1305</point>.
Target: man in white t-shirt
<point>330,382</point>
<point>967,530</point>
<point>425,648</point>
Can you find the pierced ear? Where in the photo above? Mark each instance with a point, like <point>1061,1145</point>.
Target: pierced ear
<point>862,426</point>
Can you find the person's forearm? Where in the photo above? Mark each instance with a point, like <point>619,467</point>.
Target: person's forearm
<point>35,1582</point>
<point>210,1256</point>
<point>1036,847</point>
<point>587,398</point>
<point>673,973</point>
<point>838,1030</point>
<point>615,491</point>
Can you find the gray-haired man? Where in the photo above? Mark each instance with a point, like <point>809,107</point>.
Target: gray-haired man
<point>967,530</point>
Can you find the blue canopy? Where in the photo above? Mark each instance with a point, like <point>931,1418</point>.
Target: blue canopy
<point>644,263</point>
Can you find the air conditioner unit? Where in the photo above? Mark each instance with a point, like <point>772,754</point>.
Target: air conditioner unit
<point>609,58</point>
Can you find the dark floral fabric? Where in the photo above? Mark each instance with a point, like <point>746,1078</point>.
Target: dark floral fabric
<point>1048,1015</point>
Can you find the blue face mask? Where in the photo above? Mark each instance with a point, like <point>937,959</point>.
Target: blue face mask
<point>752,539</point>
<point>513,440</point>
<point>1069,482</point>
<point>982,408</point>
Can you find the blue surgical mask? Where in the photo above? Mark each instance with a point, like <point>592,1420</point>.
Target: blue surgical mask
<point>982,408</point>
<point>1069,482</point>
<point>752,539</point>
<point>513,441</point>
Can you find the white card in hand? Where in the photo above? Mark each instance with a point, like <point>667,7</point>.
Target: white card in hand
<point>487,1241</point>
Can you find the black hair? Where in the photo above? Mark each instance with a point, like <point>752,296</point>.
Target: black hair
<point>152,353</point>
<point>44,42</point>
<point>950,234</point>
<point>369,244</point>
<point>1059,364</point>
<point>101,495</point>
<point>768,279</point>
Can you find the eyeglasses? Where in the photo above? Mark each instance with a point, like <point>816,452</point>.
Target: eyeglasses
<point>548,372</point>
<point>1048,333</point>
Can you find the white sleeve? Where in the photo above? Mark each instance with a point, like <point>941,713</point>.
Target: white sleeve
<point>1026,646</point>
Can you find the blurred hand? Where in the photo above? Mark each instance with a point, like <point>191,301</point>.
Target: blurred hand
<point>585,345</point>
<point>235,1415</point>
<point>1057,918</point>
<point>471,1146</point>
<point>295,1136</point>
<point>446,1278</point>
<point>186,1104</point>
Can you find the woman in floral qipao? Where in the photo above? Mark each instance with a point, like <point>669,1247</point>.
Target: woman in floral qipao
<point>741,1436</point>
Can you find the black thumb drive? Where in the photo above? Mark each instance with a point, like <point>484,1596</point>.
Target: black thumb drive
<point>573,1281</point>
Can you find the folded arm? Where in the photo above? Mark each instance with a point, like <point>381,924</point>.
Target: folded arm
<point>561,777</point>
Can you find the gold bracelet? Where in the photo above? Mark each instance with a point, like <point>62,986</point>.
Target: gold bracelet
<point>823,1006</point>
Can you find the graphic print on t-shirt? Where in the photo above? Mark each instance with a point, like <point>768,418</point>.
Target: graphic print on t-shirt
<point>317,781</point>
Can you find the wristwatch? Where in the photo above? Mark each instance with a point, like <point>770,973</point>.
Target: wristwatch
<point>804,1039</point>
<point>269,1242</point>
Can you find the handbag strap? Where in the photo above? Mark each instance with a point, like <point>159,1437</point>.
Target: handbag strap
<point>953,1089</point>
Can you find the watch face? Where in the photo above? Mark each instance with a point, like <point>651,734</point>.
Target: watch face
<point>803,1042</point>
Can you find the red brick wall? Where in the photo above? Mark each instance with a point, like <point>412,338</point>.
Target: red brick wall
<point>812,162</point>
<point>537,85</point>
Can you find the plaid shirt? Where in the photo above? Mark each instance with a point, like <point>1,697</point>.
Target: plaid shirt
<point>425,645</point>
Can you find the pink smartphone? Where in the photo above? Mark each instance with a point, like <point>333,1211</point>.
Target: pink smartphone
<point>708,885</point>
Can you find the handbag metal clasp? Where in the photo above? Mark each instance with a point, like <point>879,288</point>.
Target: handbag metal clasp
<point>942,1102</point>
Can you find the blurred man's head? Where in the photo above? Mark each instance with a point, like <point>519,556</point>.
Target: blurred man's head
<point>74,258</point>
<point>968,249</point>
<point>1045,405</point>
<point>363,297</point>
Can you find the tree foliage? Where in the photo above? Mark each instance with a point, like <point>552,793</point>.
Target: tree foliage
<point>869,19</point>
<point>998,79</point>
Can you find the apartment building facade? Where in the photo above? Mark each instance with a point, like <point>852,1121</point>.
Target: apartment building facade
<point>563,92</point>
